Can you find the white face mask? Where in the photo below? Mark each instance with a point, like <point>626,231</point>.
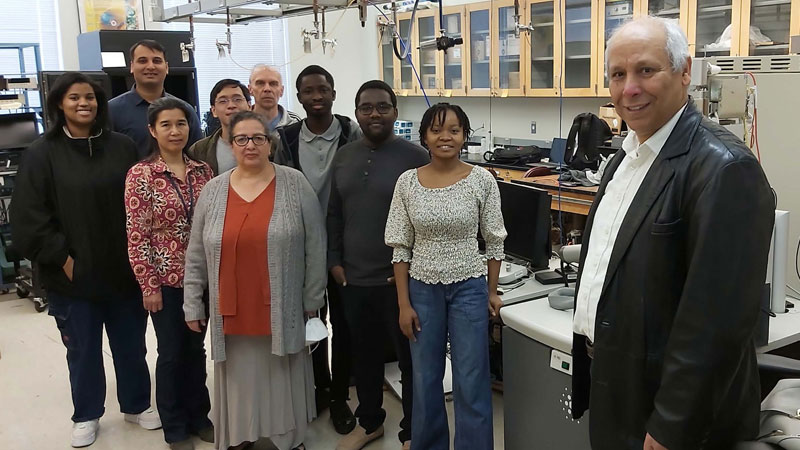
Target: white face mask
<point>315,331</point>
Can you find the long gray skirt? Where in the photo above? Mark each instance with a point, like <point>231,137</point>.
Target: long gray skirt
<point>261,395</point>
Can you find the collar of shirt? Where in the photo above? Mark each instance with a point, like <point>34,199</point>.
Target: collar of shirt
<point>160,166</point>
<point>69,135</point>
<point>656,142</point>
<point>329,135</point>
<point>277,120</point>
<point>138,100</point>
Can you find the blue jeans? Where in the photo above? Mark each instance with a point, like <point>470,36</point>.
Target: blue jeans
<point>81,324</point>
<point>459,310</point>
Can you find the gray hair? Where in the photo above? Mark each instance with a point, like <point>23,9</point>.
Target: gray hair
<point>260,67</point>
<point>677,45</point>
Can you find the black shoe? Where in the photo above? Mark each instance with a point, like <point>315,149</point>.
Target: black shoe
<point>323,399</point>
<point>206,434</point>
<point>343,420</point>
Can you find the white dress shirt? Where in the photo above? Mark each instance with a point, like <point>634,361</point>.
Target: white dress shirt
<point>611,211</point>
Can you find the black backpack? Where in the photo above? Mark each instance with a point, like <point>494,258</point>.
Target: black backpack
<point>590,132</point>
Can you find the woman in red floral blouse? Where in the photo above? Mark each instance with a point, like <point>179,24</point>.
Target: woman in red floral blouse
<point>160,194</point>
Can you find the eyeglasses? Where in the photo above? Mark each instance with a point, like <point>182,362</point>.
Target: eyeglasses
<point>258,140</point>
<point>383,108</point>
<point>236,100</point>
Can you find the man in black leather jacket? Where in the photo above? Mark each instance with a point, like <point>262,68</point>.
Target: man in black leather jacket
<point>673,264</point>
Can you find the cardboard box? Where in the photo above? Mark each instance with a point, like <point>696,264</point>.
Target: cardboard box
<point>457,83</point>
<point>794,44</point>
<point>479,50</point>
<point>609,114</point>
<point>513,80</point>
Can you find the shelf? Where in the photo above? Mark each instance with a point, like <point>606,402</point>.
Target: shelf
<point>543,58</point>
<point>429,65</point>
<point>579,57</point>
<point>771,3</point>
<point>619,17</point>
<point>667,12</point>
<point>543,24</point>
<point>511,57</point>
<point>771,47</point>
<point>714,9</point>
<point>480,32</point>
<point>481,62</point>
<point>453,64</point>
<point>578,21</point>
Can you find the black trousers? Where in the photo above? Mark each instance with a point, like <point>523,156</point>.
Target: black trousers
<point>336,377</point>
<point>373,316</point>
<point>81,323</point>
<point>181,394</point>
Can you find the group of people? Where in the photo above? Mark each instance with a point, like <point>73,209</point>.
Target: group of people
<point>272,220</point>
<point>128,211</point>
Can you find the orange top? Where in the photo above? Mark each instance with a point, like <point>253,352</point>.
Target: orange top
<point>244,294</point>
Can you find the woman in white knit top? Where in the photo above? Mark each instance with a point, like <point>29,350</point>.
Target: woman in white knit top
<point>442,283</point>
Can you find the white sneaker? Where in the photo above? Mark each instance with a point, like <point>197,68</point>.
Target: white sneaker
<point>85,433</point>
<point>147,419</point>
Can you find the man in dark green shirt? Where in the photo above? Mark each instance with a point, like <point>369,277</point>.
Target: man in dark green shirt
<point>363,179</point>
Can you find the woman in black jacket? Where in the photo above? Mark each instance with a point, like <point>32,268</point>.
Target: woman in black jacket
<point>68,217</point>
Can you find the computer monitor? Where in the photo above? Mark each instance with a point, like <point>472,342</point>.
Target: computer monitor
<point>18,131</point>
<point>777,262</point>
<point>526,214</point>
<point>557,151</point>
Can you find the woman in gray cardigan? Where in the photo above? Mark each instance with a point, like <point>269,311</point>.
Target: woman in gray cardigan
<point>258,246</point>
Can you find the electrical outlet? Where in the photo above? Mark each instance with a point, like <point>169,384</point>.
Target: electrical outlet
<point>533,127</point>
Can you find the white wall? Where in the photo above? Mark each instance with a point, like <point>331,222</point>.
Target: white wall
<point>352,62</point>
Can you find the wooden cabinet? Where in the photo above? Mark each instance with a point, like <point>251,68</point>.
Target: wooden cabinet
<point>766,26</point>
<point>453,64</point>
<point>508,53</point>
<point>386,62</point>
<point>544,49</point>
<point>564,54</point>
<point>713,27</point>
<point>478,47</point>
<point>579,35</point>
<point>613,13</point>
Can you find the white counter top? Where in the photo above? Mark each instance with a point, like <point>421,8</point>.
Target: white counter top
<point>538,321</point>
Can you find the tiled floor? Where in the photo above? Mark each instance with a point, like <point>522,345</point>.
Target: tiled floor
<point>35,404</point>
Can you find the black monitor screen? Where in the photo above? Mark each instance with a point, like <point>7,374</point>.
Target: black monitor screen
<point>17,131</point>
<point>526,213</point>
<point>557,150</point>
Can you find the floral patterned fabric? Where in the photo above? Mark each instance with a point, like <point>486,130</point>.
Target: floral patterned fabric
<point>159,220</point>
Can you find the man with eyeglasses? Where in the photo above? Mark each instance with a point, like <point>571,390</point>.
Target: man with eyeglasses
<point>364,175</point>
<point>227,98</point>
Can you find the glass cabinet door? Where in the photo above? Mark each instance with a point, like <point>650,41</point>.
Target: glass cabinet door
<point>480,49</point>
<point>614,13</point>
<point>453,68</point>
<point>713,30</point>
<point>765,30</point>
<point>578,31</point>
<point>508,62</point>
<point>543,48</point>
<point>668,9</point>
<point>407,81</point>
<point>387,64</point>
<point>426,66</point>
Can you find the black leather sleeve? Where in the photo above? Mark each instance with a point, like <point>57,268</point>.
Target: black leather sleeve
<point>727,245</point>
